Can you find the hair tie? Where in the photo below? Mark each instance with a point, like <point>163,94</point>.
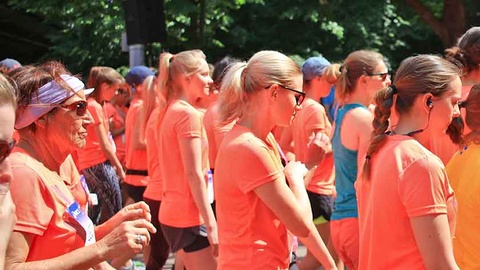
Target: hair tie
<point>171,58</point>
<point>394,89</point>
<point>368,157</point>
<point>340,69</point>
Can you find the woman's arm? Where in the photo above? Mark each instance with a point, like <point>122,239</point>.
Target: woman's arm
<point>191,152</point>
<point>107,149</point>
<point>432,234</point>
<point>291,205</point>
<point>138,134</point>
<point>121,241</point>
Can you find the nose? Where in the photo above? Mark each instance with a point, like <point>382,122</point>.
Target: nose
<point>388,81</point>
<point>456,110</point>
<point>88,119</point>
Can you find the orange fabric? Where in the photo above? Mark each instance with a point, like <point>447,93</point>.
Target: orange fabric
<point>312,116</point>
<point>344,235</point>
<point>135,159</point>
<point>181,121</point>
<point>71,177</point>
<point>250,235</point>
<point>92,154</point>
<point>406,181</point>
<point>464,171</point>
<point>41,198</point>
<point>116,114</point>
<point>154,187</point>
<point>215,131</point>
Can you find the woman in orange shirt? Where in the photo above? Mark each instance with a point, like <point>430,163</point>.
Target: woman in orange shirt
<point>406,206</point>
<point>116,112</point>
<point>258,200</point>
<point>318,77</point>
<point>186,217</point>
<point>466,55</point>
<point>463,173</point>
<point>53,230</point>
<point>97,161</point>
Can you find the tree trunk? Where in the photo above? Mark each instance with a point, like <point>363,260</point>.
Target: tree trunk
<point>452,24</point>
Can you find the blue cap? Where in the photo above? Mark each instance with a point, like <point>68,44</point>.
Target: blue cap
<point>10,63</point>
<point>313,67</point>
<point>138,74</point>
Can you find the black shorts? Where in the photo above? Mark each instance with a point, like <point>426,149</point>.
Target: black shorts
<point>134,192</point>
<point>189,239</point>
<point>322,206</point>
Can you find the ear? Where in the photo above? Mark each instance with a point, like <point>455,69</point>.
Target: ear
<point>427,101</point>
<point>41,122</point>
<point>272,92</point>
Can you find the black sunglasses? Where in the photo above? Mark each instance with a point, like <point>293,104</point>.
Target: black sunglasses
<point>6,149</point>
<point>80,107</point>
<point>383,75</point>
<point>299,97</point>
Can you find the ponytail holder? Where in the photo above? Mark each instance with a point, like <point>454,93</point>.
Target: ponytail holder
<point>394,89</point>
<point>340,69</point>
<point>368,157</point>
<point>171,58</point>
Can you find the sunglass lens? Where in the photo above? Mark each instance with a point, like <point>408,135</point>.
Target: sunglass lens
<point>81,108</point>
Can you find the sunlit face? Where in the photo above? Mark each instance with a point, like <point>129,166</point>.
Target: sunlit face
<point>378,79</point>
<point>108,91</point>
<point>7,121</point>
<point>285,105</point>
<point>445,108</point>
<point>66,129</point>
<point>200,81</point>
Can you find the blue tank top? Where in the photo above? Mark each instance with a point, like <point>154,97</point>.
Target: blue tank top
<point>345,170</point>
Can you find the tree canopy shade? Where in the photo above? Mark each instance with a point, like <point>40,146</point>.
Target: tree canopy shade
<point>90,31</point>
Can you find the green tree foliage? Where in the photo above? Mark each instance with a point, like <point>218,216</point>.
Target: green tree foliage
<point>91,30</point>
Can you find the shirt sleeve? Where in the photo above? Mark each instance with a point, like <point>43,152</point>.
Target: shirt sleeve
<point>189,124</point>
<point>423,188</point>
<point>31,199</point>
<point>315,117</point>
<point>256,166</point>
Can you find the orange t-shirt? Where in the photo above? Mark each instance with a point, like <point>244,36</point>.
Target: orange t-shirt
<point>92,154</point>
<point>250,234</point>
<point>41,198</point>
<point>181,121</point>
<point>406,181</point>
<point>312,116</point>
<point>135,159</point>
<point>215,131</point>
<point>71,177</point>
<point>116,114</point>
<point>463,171</point>
<point>154,187</point>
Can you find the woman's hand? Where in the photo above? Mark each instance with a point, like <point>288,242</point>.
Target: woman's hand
<point>7,216</point>
<point>139,210</point>
<point>120,173</point>
<point>317,147</point>
<point>127,239</point>
<point>212,235</point>
<point>295,171</point>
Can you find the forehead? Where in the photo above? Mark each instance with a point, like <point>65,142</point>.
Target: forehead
<point>381,67</point>
<point>455,90</point>
<point>80,95</point>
